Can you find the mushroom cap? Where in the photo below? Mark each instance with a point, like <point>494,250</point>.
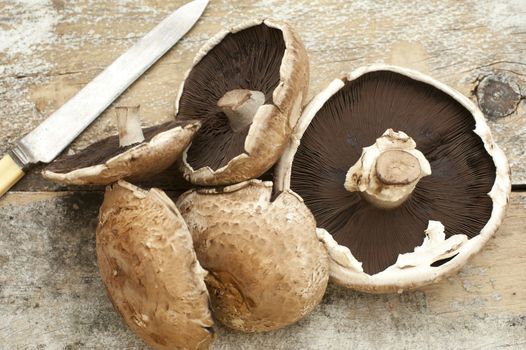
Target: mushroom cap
<point>265,56</point>
<point>105,162</point>
<point>150,270</point>
<point>267,269</point>
<point>467,191</point>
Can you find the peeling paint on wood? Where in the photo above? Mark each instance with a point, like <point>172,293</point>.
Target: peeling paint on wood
<point>51,296</point>
<point>51,49</point>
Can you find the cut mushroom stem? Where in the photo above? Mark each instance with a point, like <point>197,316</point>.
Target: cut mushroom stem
<point>240,106</point>
<point>129,125</point>
<point>388,171</point>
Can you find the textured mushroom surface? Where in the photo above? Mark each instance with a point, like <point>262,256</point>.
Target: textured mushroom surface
<point>267,269</point>
<point>265,59</point>
<point>465,196</point>
<point>150,270</point>
<point>105,162</point>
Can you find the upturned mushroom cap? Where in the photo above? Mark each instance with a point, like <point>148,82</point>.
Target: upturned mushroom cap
<point>150,270</point>
<point>105,161</point>
<point>450,213</point>
<point>267,269</point>
<point>246,87</point>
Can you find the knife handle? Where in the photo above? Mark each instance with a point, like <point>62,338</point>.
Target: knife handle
<point>10,173</point>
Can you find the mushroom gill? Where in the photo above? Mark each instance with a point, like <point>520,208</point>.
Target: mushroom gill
<point>106,161</point>
<point>246,60</point>
<point>103,150</point>
<point>456,192</point>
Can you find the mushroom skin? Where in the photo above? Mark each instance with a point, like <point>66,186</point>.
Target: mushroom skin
<point>135,162</point>
<point>267,128</point>
<point>267,269</point>
<point>425,269</point>
<point>150,270</point>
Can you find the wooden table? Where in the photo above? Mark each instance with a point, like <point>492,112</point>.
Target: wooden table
<point>51,296</point>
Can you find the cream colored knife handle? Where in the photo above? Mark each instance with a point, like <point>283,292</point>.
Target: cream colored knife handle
<point>10,173</point>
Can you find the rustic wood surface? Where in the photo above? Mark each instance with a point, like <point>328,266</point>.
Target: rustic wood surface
<point>51,296</point>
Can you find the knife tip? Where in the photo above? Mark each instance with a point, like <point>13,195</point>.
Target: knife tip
<point>202,3</point>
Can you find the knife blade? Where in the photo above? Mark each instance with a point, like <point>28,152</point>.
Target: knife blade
<point>56,132</point>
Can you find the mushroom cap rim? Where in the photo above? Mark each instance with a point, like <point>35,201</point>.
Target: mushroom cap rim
<point>136,150</point>
<point>277,96</point>
<point>408,279</point>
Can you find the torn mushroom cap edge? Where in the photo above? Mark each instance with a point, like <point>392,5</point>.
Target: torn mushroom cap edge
<point>117,167</point>
<point>294,70</point>
<point>305,282</point>
<point>241,185</point>
<point>345,269</point>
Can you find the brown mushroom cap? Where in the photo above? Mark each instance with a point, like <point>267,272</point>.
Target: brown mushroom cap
<point>265,58</point>
<point>267,269</point>
<point>467,190</point>
<point>105,162</point>
<point>150,270</point>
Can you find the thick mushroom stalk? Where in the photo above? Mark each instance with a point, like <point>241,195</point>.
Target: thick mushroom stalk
<point>240,106</point>
<point>129,125</point>
<point>388,171</point>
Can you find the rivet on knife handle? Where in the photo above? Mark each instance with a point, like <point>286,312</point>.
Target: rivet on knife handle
<point>10,173</point>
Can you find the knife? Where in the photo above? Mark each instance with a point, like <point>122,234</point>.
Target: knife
<point>50,138</point>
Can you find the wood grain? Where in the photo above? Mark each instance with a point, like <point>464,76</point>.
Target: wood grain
<point>51,49</point>
<point>51,295</point>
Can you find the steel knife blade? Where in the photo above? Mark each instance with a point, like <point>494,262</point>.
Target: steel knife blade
<point>56,132</point>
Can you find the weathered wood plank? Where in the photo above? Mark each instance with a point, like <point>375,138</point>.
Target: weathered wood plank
<point>50,292</point>
<point>49,50</point>
<point>51,296</point>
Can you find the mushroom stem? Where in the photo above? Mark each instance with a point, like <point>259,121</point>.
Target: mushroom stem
<point>129,125</point>
<point>388,171</point>
<point>240,106</point>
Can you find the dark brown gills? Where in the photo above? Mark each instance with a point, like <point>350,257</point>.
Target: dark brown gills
<point>105,149</point>
<point>456,193</point>
<point>249,59</point>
